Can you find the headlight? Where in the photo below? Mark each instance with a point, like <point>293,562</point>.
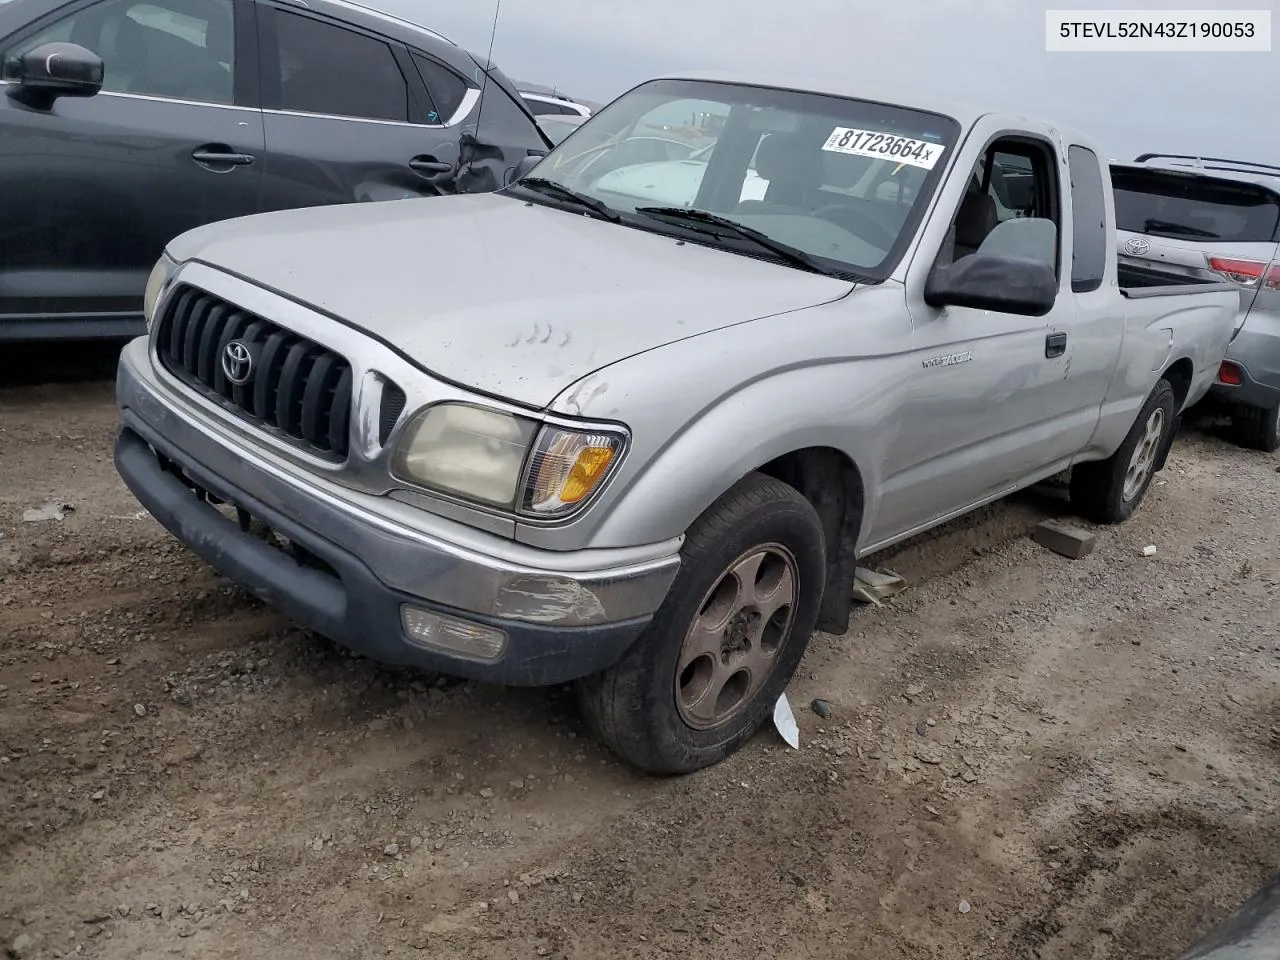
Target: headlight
<point>491,457</point>
<point>160,275</point>
<point>474,452</point>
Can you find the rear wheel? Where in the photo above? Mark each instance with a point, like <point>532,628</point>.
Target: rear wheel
<point>705,674</point>
<point>1109,491</point>
<point>1257,428</point>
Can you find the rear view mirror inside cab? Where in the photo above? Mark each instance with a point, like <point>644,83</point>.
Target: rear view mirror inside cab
<point>772,120</point>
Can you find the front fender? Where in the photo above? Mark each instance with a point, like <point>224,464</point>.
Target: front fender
<point>787,411</point>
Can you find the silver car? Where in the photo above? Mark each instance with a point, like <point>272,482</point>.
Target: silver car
<point>1217,219</point>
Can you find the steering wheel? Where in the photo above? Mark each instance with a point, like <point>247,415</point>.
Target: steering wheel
<point>859,223</point>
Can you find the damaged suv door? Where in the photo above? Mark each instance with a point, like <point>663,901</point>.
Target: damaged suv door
<point>360,106</point>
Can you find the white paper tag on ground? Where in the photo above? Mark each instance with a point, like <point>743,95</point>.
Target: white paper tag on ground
<point>884,146</point>
<point>785,721</point>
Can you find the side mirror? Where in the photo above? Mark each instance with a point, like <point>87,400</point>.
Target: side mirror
<point>525,165</point>
<point>986,281</point>
<point>55,70</point>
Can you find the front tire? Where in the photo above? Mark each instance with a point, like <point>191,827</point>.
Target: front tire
<point>1109,491</point>
<point>705,674</point>
<point>1257,428</point>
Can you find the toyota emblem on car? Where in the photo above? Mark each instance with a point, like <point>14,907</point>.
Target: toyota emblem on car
<point>1137,246</point>
<point>237,362</point>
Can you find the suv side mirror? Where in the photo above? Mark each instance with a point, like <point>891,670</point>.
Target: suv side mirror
<point>986,281</point>
<point>55,70</point>
<point>525,165</point>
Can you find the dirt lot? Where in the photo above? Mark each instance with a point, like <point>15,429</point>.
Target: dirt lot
<point>1025,756</point>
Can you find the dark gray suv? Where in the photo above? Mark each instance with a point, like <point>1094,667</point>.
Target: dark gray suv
<point>124,123</point>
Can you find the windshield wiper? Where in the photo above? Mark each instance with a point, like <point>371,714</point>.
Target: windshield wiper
<point>543,185</point>
<point>1166,226</point>
<point>683,216</point>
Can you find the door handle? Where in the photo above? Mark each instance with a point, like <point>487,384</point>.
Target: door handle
<point>428,166</point>
<point>219,155</point>
<point>1055,344</point>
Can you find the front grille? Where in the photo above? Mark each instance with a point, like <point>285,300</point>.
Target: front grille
<point>293,386</point>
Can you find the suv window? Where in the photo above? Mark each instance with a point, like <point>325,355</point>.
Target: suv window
<point>177,49</point>
<point>1089,249</point>
<point>330,70</point>
<point>1192,206</point>
<point>544,108</point>
<point>445,87</point>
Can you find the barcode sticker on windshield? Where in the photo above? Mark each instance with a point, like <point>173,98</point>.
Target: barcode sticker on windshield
<point>884,146</point>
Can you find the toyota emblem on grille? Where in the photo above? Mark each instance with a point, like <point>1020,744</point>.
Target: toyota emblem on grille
<point>1137,246</point>
<point>237,362</point>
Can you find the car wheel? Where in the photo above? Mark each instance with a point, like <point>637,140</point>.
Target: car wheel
<point>1109,491</point>
<point>1257,428</point>
<point>705,674</point>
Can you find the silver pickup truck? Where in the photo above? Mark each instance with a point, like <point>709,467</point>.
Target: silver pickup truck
<point>564,432</point>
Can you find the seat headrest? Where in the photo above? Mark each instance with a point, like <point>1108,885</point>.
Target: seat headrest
<point>789,157</point>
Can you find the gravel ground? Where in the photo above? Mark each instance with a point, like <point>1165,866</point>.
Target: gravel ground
<point>1025,756</point>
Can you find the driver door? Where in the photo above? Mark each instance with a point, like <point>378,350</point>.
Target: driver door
<point>980,413</point>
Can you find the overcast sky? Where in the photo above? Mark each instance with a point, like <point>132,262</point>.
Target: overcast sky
<point>991,51</point>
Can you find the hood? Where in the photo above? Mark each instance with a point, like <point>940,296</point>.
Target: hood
<point>510,299</point>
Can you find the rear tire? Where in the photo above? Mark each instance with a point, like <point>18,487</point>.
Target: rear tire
<point>1109,491</point>
<point>1257,428</point>
<point>706,672</point>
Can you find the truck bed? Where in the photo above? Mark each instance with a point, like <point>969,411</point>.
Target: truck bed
<point>1143,281</point>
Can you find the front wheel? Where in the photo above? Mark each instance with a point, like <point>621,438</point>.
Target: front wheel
<point>705,674</point>
<point>1109,491</point>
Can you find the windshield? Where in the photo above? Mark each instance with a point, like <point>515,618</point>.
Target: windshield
<point>843,181</point>
<point>1194,207</point>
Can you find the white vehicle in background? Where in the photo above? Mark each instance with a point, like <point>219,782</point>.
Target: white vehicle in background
<point>552,105</point>
<point>557,128</point>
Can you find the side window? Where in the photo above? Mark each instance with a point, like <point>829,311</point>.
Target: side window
<point>1089,249</point>
<point>329,70</point>
<point>445,87</point>
<point>177,49</point>
<point>1015,180</point>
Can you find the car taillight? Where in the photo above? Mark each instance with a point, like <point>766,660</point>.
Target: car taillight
<point>1229,374</point>
<point>1247,273</point>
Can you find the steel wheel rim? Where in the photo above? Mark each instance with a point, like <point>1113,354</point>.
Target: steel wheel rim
<point>1143,457</point>
<point>737,636</point>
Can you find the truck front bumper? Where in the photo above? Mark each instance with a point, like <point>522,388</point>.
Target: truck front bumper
<point>514,615</point>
